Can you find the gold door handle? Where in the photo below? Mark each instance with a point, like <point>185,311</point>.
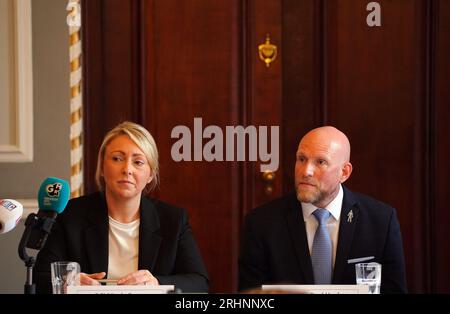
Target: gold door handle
<point>268,178</point>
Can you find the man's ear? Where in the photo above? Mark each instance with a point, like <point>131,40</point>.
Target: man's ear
<point>346,171</point>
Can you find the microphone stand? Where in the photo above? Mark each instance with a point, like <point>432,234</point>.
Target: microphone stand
<point>33,222</point>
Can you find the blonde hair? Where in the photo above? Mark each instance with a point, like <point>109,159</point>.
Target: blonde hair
<point>143,139</point>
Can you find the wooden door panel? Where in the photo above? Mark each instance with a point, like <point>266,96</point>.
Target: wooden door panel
<point>192,66</point>
<point>263,94</point>
<point>376,91</point>
<point>439,189</point>
<point>302,79</point>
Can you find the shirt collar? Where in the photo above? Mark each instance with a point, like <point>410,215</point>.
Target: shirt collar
<point>334,207</point>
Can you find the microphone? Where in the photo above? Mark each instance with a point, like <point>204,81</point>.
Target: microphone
<point>10,214</point>
<point>53,196</point>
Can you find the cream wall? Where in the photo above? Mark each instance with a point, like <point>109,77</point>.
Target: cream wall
<point>51,119</point>
<point>7,81</point>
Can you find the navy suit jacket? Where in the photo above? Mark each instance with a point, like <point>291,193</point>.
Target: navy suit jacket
<point>166,245</point>
<point>274,247</point>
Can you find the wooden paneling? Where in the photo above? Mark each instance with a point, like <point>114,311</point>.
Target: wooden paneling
<point>263,91</point>
<point>192,66</point>
<point>376,93</point>
<point>440,192</point>
<point>302,53</point>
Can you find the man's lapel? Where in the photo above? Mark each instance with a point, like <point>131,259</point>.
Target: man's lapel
<point>349,219</point>
<point>296,226</point>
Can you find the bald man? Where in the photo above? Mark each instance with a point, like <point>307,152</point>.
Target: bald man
<point>278,238</point>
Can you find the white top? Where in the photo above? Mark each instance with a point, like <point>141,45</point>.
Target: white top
<point>123,248</point>
<point>311,222</point>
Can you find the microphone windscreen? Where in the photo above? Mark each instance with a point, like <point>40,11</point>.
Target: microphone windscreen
<point>10,213</point>
<point>53,195</point>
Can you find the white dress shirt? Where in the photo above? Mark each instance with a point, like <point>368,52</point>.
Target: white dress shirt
<point>311,223</point>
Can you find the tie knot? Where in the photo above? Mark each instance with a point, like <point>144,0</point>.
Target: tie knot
<point>321,215</point>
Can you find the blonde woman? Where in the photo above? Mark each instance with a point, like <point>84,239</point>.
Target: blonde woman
<point>120,234</point>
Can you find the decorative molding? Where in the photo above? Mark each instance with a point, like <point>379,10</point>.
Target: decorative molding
<point>29,206</point>
<point>22,150</point>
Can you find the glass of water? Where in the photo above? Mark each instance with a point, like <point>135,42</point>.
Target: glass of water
<point>64,274</point>
<point>369,274</point>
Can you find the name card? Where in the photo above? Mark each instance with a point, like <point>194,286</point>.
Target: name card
<point>120,289</point>
<point>320,289</point>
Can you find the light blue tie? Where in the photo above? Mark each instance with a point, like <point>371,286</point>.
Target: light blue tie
<point>321,256</point>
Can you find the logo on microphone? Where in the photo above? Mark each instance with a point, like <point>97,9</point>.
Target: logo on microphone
<point>53,189</point>
<point>8,205</point>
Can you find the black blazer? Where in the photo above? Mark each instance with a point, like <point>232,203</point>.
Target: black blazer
<point>274,248</point>
<point>166,245</point>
